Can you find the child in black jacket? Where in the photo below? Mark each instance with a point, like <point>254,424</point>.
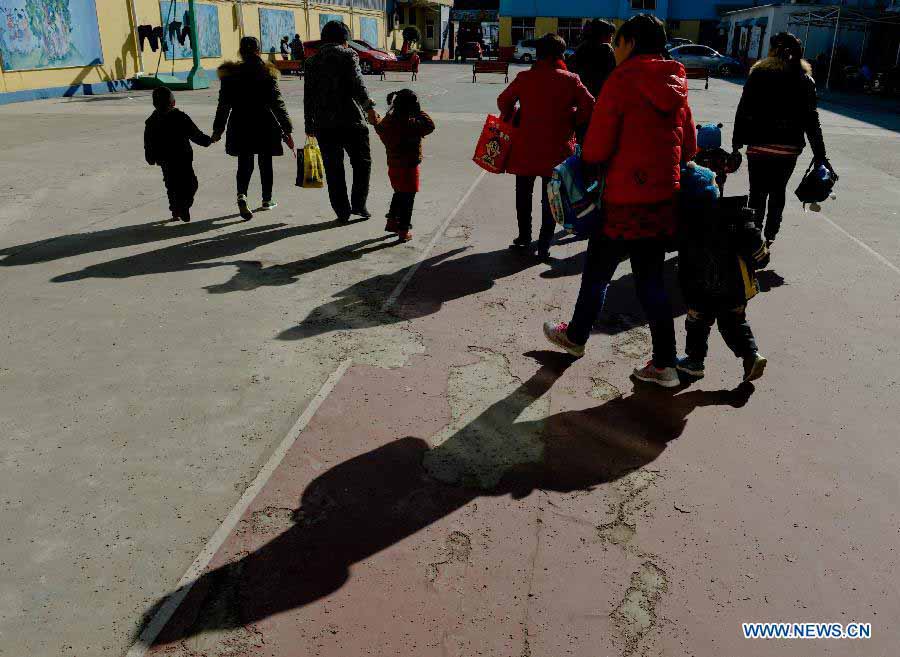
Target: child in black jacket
<point>720,250</point>
<point>167,136</point>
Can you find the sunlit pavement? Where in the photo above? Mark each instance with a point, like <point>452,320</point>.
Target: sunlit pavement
<point>348,456</point>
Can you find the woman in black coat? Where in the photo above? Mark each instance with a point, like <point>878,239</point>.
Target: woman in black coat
<point>257,121</point>
<point>777,110</point>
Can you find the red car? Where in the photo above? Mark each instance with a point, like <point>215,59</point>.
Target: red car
<point>371,59</point>
<point>469,50</point>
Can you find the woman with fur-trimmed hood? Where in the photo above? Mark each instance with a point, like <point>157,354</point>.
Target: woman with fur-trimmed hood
<point>776,116</point>
<point>251,106</point>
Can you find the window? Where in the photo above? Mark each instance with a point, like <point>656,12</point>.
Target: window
<point>411,16</point>
<point>641,5</point>
<point>570,30</point>
<point>522,29</point>
<point>429,29</point>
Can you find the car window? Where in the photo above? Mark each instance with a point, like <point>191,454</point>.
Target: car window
<point>356,46</point>
<point>693,50</point>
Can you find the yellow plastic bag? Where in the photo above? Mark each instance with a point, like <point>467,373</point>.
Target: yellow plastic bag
<point>310,167</point>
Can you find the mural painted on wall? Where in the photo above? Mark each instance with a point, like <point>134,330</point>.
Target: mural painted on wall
<point>368,30</point>
<point>49,34</point>
<point>273,25</point>
<point>175,21</point>
<point>327,18</point>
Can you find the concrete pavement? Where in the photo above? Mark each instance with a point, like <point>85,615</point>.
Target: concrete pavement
<point>459,490</point>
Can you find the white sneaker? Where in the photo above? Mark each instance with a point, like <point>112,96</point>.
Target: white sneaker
<point>555,332</point>
<point>268,205</point>
<point>667,377</point>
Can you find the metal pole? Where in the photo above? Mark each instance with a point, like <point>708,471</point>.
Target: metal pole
<point>837,26</point>
<point>137,43</point>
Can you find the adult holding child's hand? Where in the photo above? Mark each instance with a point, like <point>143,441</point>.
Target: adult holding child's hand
<point>254,119</point>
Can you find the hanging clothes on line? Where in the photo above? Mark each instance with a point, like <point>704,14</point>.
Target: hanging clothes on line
<point>152,35</point>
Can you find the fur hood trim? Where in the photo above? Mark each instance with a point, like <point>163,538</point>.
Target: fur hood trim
<point>232,69</point>
<point>778,64</point>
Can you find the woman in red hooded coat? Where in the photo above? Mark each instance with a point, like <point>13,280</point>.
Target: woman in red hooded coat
<point>640,132</point>
<point>551,103</point>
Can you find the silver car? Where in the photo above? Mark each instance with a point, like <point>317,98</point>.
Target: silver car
<point>696,56</point>
<point>526,51</point>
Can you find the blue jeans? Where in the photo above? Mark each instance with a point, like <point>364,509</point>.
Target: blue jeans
<point>648,259</point>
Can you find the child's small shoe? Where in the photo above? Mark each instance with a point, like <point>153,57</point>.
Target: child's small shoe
<point>175,217</point>
<point>243,208</point>
<point>691,366</point>
<point>754,366</point>
<point>268,205</point>
<point>405,235</point>
<point>391,226</point>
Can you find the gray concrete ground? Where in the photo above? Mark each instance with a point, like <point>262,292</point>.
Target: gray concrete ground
<point>149,369</point>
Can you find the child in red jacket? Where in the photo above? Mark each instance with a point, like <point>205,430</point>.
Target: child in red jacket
<point>402,130</point>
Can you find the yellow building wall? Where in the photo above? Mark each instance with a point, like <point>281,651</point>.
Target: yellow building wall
<point>686,30</point>
<point>120,59</point>
<point>506,32</point>
<point>545,25</point>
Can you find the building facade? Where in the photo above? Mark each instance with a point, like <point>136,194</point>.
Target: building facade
<point>431,17</point>
<point>92,46</point>
<point>697,20</point>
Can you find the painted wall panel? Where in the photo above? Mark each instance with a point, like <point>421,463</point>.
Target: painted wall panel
<point>36,34</point>
<point>175,17</point>
<point>274,24</point>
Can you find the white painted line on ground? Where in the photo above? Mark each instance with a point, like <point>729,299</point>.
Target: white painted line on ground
<point>168,608</point>
<point>864,246</point>
<point>434,240</point>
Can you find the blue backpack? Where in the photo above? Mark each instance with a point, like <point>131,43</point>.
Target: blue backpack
<point>574,205</point>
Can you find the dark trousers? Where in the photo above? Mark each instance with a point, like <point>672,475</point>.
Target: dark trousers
<point>648,259</point>
<point>245,172</point>
<point>733,326</point>
<point>402,208</point>
<point>524,195</point>
<point>769,177</point>
<point>181,185</point>
<point>355,142</point>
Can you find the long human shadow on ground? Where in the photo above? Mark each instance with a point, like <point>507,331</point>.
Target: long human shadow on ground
<point>372,501</point>
<point>69,246</point>
<point>439,279</point>
<point>196,254</point>
<point>251,275</point>
<point>446,277</point>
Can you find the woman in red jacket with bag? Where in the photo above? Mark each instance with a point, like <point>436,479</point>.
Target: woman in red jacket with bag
<point>640,132</point>
<point>551,103</point>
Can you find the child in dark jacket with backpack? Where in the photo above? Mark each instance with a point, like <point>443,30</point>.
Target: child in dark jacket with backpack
<point>720,249</point>
<point>167,136</point>
<point>402,131</point>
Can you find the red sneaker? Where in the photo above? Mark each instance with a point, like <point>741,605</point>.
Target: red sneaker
<point>391,226</point>
<point>405,235</point>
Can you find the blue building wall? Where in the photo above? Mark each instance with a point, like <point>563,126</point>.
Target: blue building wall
<point>665,9</point>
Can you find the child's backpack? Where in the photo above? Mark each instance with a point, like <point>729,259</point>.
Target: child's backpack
<point>574,204</point>
<point>720,249</point>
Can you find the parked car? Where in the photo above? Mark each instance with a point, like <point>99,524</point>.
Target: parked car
<point>469,50</point>
<point>674,42</point>
<point>371,59</point>
<point>694,56</point>
<point>526,51</point>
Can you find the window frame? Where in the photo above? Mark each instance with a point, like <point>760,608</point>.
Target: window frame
<point>524,30</point>
<point>570,29</point>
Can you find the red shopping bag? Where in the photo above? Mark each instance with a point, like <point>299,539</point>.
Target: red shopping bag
<point>494,144</point>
